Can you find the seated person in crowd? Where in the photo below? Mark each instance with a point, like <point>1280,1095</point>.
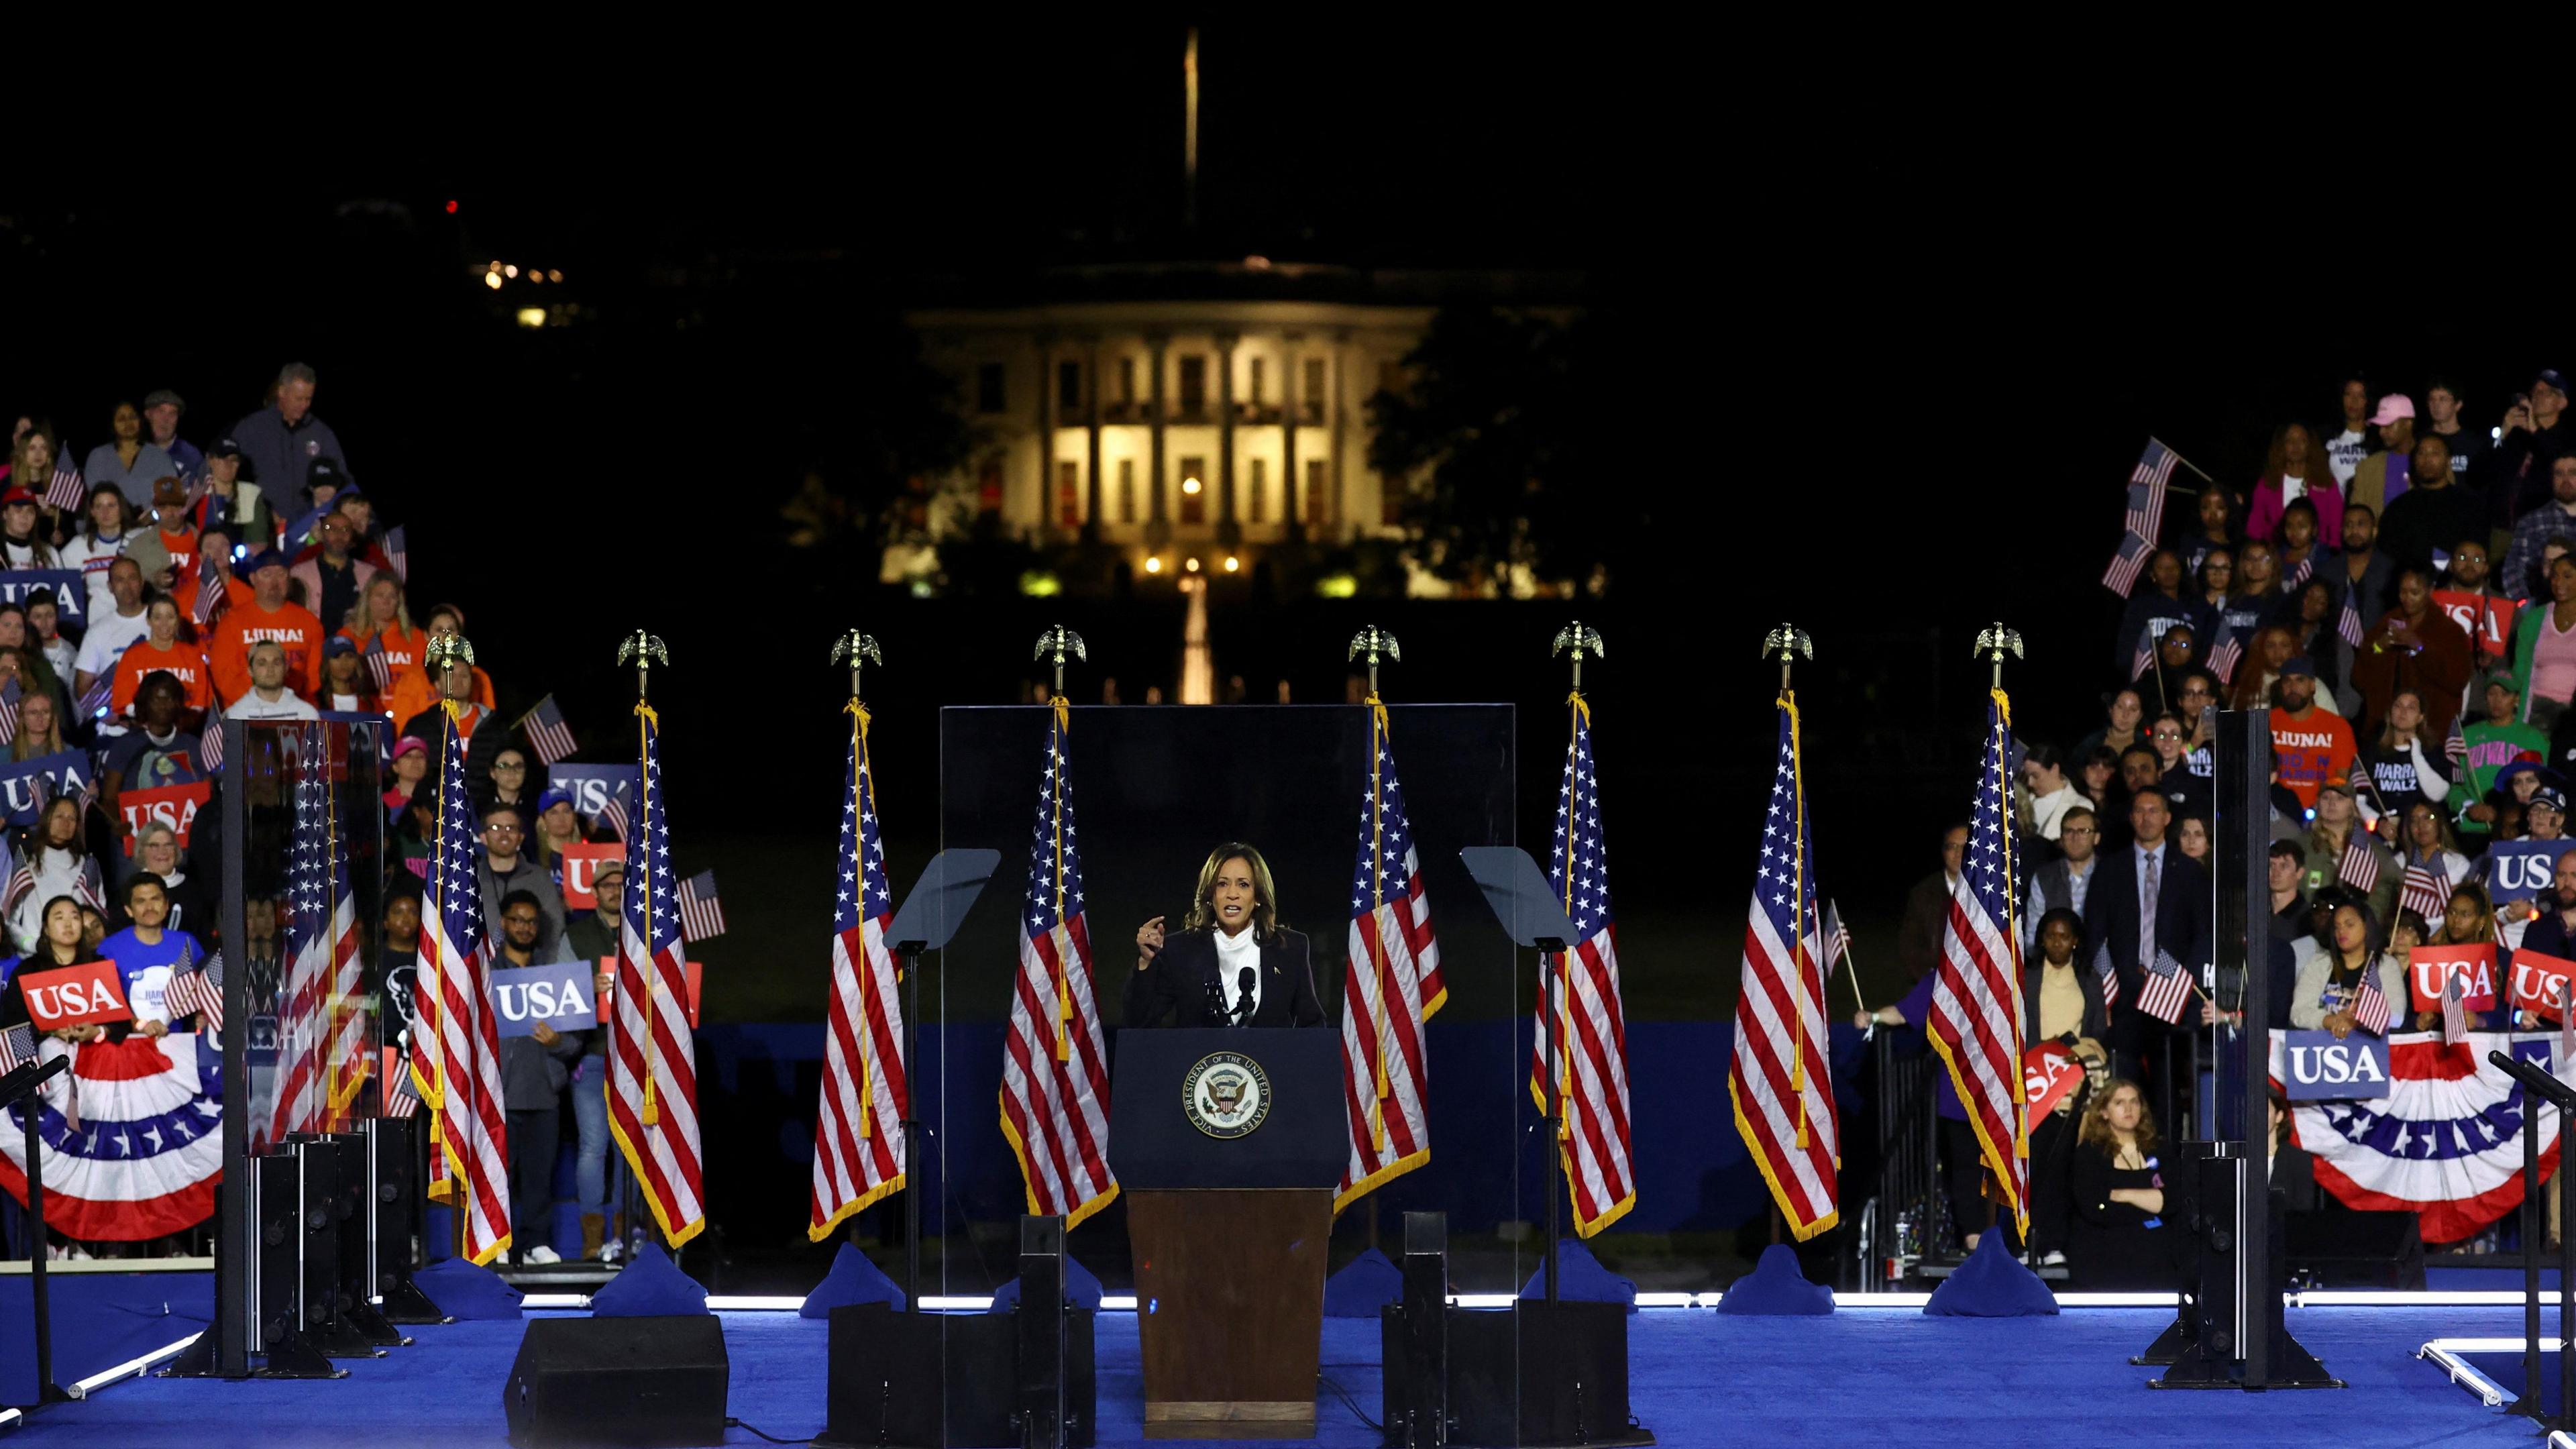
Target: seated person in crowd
<point>2330,979</point>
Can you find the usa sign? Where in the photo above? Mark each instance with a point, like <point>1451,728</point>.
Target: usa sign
<point>2430,968</point>
<point>76,995</point>
<point>2318,1067</point>
<point>2517,870</point>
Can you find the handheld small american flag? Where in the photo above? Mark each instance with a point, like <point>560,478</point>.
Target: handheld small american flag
<point>2455,746</point>
<point>199,993</point>
<point>2147,484</point>
<point>1055,1059</point>
<point>2426,891</point>
<point>1976,995</point>
<point>94,703</point>
<point>212,599</point>
<point>1780,1082</point>
<point>1585,1015</point>
<point>22,882</point>
<point>652,1059</point>
<point>398,553</point>
<point>66,491</point>
<point>1392,989</point>
<point>2145,654</point>
<point>701,915</point>
<point>1837,936</point>
<point>2108,974</point>
<point>546,731</point>
<point>456,1053</point>
<point>2359,865</point>
<point>2299,576</point>
<point>2229,653</point>
<point>2455,1010</point>
<point>380,667</point>
<point>859,1136</point>
<point>2122,576</point>
<point>2164,987</point>
<point>10,694</point>
<point>210,745</point>
<point>2370,1004</point>
<point>2348,622</point>
<point>17,1047</point>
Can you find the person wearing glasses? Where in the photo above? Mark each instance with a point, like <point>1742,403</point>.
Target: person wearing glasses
<point>2187,791</point>
<point>2061,885</point>
<point>506,868</point>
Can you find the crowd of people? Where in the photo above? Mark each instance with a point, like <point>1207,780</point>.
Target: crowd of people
<point>2398,589</point>
<point>243,573</point>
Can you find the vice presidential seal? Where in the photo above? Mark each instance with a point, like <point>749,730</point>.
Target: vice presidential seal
<point>1226,1094</point>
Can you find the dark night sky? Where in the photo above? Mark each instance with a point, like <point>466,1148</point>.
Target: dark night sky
<point>1893,330</point>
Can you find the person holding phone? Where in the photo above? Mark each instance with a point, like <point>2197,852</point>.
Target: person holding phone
<point>1233,963</point>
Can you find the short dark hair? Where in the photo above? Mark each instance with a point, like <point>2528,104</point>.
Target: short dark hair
<point>502,807</point>
<point>2046,756</point>
<point>137,881</point>
<point>161,679</point>
<point>2350,509</point>
<point>2061,913</point>
<point>523,898</point>
<point>2289,849</point>
<point>2071,811</point>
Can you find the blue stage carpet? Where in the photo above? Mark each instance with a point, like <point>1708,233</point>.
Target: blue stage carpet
<point>1874,1377</point>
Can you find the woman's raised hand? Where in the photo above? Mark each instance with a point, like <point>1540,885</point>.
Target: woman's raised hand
<point>1149,940</point>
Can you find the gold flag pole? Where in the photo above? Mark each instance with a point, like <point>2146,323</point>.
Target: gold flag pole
<point>1792,644</point>
<point>1580,639</point>
<point>644,651</point>
<point>1375,642</point>
<point>858,649</point>
<point>1054,645</point>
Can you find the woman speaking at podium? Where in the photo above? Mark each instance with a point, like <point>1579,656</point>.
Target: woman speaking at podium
<point>1232,964</point>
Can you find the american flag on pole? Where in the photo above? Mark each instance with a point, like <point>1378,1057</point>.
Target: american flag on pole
<point>2359,865</point>
<point>701,915</point>
<point>1780,1082</point>
<point>456,1052</point>
<point>1055,1060</point>
<point>652,1054</point>
<point>1591,1048</point>
<point>858,1138</point>
<point>2426,890</point>
<point>2163,988</point>
<point>546,731</point>
<point>93,705</point>
<point>2229,653</point>
<point>10,694</point>
<point>1976,994</point>
<point>2370,1004</point>
<point>380,667</point>
<point>212,599</point>
<point>199,993</point>
<point>65,491</point>
<point>2455,747</point>
<point>318,1000</point>
<point>2348,623</point>
<point>1392,988</point>
<point>210,745</point>
<point>2145,654</point>
<point>2299,576</point>
<point>2455,1010</point>
<point>1837,936</point>
<point>17,1046</point>
<point>2108,974</point>
<point>2147,483</point>
<point>398,553</point>
<point>2122,576</point>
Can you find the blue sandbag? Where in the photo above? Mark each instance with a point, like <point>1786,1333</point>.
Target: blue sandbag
<point>1580,1278</point>
<point>1079,1285</point>
<point>1364,1285</point>
<point>464,1292</point>
<point>652,1286</point>
<point>1992,1284</point>
<point>1775,1287</point>
<point>853,1279</point>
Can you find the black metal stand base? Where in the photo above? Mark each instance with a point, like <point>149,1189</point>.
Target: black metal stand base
<point>405,1303</point>
<point>370,1323</point>
<point>2291,1366</point>
<point>2180,1337</point>
<point>297,1357</point>
<point>196,1361</point>
<point>337,1337</point>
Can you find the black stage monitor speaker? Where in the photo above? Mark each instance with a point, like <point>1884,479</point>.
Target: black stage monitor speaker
<point>919,1380</point>
<point>649,1383</point>
<point>2340,1248</point>
<point>1538,1374</point>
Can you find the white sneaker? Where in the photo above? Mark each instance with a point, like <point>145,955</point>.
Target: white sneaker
<point>611,1251</point>
<point>541,1254</point>
<point>2054,1259</point>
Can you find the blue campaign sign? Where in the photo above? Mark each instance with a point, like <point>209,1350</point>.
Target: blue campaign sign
<point>2317,1067</point>
<point>68,772</point>
<point>2517,870</point>
<point>71,594</point>
<point>561,995</point>
<point>591,785</point>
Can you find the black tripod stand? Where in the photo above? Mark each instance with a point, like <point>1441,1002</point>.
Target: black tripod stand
<point>18,1089</point>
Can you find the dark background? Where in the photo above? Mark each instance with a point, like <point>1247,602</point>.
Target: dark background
<point>1879,329</point>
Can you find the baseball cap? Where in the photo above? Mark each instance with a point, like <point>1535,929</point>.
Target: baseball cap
<point>159,395</point>
<point>339,644</point>
<point>224,448</point>
<point>267,558</point>
<point>326,472</point>
<point>2551,797</point>
<point>410,745</point>
<point>2501,679</point>
<point>553,798</point>
<point>2551,378</point>
<point>608,868</point>
<point>169,490</point>
<point>2299,664</point>
<point>2337,787</point>
<point>17,496</point>
<point>2392,407</point>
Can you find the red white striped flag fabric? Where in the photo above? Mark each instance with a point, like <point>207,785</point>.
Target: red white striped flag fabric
<point>652,1053</point>
<point>2122,576</point>
<point>198,993</point>
<point>65,490</point>
<point>2426,891</point>
<point>2455,1010</point>
<point>1780,1080</point>
<point>701,914</point>
<point>456,1053</point>
<point>2359,865</point>
<point>1055,1059</point>
<point>1591,1048</point>
<point>2370,1004</point>
<point>2164,987</point>
<point>2224,659</point>
<point>2147,484</point>
<point>2108,974</point>
<point>1391,989</point>
<point>17,1046</point>
<point>303,1037</point>
<point>1976,993</point>
<point>858,1137</point>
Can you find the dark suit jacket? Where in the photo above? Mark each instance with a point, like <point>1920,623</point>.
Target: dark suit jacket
<point>1173,991</point>
<point>2182,913</point>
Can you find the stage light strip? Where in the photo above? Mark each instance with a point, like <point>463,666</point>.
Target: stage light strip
<point>2421,1298</point>
<point>11,1418</point>
<point>2560,1439</point>
<point>131,1368</point>
<point>555,1300</point>
<point>754,1304</point>
<point>2487,1345</point>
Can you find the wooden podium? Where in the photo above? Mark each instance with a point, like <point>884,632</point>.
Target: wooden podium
<point>1228,1144</point>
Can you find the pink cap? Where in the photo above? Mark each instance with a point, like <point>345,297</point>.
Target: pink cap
<point>2392,407</point>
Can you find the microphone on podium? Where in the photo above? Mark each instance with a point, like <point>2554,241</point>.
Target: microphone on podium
<point>1243,983</point>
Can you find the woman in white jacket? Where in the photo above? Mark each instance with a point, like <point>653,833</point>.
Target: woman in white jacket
<point>57,866</point>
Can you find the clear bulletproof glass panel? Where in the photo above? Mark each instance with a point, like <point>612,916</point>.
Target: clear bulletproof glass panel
<point>310,875</point>
<point>1153,790</point>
